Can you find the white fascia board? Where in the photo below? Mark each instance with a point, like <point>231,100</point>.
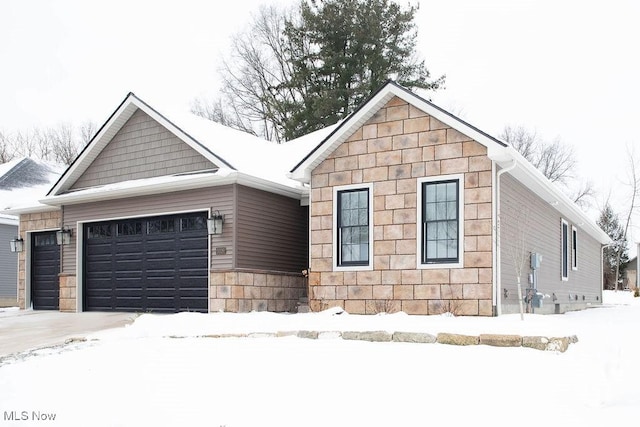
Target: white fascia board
<point>31,209</point>
<point>151,187</point>
<point>535,180</point>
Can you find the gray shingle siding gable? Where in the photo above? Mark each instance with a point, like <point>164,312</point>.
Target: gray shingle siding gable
<point>141,149</point>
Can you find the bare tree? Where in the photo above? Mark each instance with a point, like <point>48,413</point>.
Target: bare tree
<point>60,144</point>
<point>250,78</point>
<point>513,238</point>
<point>88,130</point>
<point>634,196</point>
<point>555,160</point>
<point>25,143</point>
<point>7,152</point>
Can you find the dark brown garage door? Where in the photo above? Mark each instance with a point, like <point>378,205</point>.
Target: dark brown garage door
<point>154,264</point>
<point>45,267</point>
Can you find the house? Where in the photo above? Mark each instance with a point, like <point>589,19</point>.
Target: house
<point>8,262</point>
<point>131,216</point>
<point>413,209</point>
<point>401,206</point>
<point>21,180</point>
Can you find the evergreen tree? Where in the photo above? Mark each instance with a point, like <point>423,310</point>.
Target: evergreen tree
<point>609,222</point>
<point>298,72</point>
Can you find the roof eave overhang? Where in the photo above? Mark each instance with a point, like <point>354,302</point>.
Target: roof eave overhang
<point>533,179</point>
<point>151,188</point>
<point>30,209</point>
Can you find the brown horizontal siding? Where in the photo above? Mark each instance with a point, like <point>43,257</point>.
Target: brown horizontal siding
<point>142,148</point>
<point>218,198</point>
<point>272,231</point>
<point>543,235</point>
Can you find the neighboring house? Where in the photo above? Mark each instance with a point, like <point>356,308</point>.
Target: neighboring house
<point>8,262</point>
<point>406,204</point>
<point>398,207</point>
<point>630,277</point>
<point>21,180</point>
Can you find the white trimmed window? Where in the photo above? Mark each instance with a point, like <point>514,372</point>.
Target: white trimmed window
<point>574,248</point>
<point>353,225</point>
<point>440,221</point>
<point>564,249</point>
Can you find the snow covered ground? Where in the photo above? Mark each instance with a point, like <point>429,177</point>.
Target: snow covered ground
<point>162,371</point>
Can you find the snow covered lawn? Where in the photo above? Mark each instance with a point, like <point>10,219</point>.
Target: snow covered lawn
<point>162,371</point>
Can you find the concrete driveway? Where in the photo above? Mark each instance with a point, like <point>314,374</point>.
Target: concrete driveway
<point>22,330</point>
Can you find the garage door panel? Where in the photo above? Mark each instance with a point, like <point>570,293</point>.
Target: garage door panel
<point>149,264</point>
<point>45,267</point>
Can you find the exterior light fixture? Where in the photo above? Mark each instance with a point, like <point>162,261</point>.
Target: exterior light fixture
<point>63,236</point>
<point>17,244</point>
<point>214,223</point>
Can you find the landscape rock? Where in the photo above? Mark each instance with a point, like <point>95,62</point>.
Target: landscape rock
<point>457,339</point>
<point>501,340</point>
<point>414,337</point>
<point>538,343</point>
<point>558,344</point>
<point>373,336</point>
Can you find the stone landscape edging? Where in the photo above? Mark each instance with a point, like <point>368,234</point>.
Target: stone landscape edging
<point>559,344</point>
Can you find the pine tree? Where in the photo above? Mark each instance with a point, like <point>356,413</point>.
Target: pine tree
<point>293,73</point>
<point>610,223</point>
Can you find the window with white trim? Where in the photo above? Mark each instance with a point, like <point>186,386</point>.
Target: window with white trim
<point>440,240</point>
<point>353,227</point>
<point>574,248</point>
<point>564,249</point>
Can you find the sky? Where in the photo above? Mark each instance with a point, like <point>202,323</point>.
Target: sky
<point>164,370</point>
<point>566,69</point>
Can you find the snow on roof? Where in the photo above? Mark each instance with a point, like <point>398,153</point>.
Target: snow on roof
<point>24,181</point>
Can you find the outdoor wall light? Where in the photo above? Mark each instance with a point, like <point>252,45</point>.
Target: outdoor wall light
<point>63,236</point>
<point>214,223</point>
<point>17,245</point>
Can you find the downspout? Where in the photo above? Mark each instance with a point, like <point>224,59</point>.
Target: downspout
<point>498,273</point>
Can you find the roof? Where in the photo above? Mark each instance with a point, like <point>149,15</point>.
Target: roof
<point>282,168</point>
<point>239,157</point>
<point>499,151</point>
<point>23,182</point>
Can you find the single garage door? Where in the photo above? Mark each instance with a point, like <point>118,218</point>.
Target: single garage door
<point>157,264</point>
<point>45,267</point>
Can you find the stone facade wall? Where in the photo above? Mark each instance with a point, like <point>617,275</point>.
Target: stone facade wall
<point>398,145</point>
<point>68,291</point>
<point>39,221</point>
<point>241,291</point>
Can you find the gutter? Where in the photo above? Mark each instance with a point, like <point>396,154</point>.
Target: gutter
<point>497,250</point>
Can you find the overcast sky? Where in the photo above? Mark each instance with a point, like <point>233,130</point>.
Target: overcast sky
<point>568,69</point>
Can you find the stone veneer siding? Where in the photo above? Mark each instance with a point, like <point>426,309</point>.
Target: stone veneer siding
<point>241,291</point>
<point>398,145</point>
<point>39,221</point>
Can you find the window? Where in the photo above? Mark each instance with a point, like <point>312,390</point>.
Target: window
<point>565,250</point>
<point>129,228</point>
<point>193,223</point>
<point>353,226</point>
<point>100,231</point>
<point>161,226</point>
<point>440,239</point>
<point>574,248</point>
